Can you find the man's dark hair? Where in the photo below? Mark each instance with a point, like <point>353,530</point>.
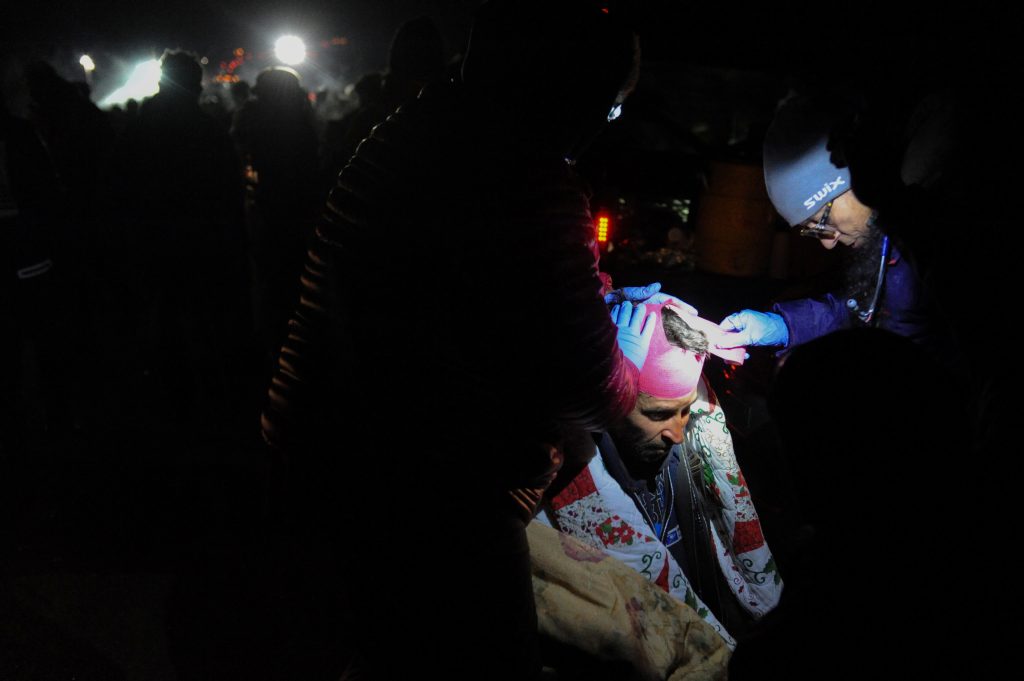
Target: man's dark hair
<point>181,73</point>
<point>417,51</point>
<point>681,334</point>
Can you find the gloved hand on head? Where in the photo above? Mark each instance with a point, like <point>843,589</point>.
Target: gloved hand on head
<point>749,327</point>
<point>646,294</point>
<point>636,328</point>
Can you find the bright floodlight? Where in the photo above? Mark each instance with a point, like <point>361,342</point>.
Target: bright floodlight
<point>87,63</point>
<point>144,82</point>
<point>290,49</point>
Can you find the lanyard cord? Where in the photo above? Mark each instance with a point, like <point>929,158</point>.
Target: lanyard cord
<point>867,315</point>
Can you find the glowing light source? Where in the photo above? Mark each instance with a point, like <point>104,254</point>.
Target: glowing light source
<point>290,49</point>
<point>87,63</point>
<point>144,82</point>
<point>603,226</point>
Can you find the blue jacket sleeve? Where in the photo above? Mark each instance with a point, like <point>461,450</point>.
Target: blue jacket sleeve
<point>811,318</point>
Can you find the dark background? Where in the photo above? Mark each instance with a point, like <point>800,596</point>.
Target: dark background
<point>97,522</point>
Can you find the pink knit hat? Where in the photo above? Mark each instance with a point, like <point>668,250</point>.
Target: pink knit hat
<point>670,372</point>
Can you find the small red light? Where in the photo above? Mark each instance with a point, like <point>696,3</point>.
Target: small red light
<point>603,228</point>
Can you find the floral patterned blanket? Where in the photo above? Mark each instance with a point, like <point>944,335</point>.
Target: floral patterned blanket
<point>594,603</point>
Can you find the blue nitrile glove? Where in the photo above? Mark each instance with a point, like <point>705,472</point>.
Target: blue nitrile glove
<point>635,332</point>
<point>754,328</point>
<point>645,294</point>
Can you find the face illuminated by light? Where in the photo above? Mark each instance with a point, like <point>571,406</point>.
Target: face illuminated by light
<point>848,218</point>
<point>653,427</point>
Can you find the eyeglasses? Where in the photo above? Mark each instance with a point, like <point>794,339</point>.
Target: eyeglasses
<point>821,229</point>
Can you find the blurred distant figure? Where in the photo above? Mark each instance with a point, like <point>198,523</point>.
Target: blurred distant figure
<point>368,88</point>
<point>336,146</point>
<point>214,106</point>
<point>276,138</point>
<point>323,104</point>
<point>238,94</point>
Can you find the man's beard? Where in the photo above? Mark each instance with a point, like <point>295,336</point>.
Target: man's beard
<point>651,452</point>
<point>646,460</point>
<point>861,275</point>
<point>642,457</point>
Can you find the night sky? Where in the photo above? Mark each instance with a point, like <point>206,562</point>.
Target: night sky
<point>120,33</point>
<point>715,29</point>
<point>878,40</point>
<point>203,25</point>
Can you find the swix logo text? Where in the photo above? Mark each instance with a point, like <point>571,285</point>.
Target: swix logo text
<point>825,190</point>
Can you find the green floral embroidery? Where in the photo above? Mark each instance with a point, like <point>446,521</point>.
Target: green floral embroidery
<point>760,576</point>
<point>719,418</point>
<point>770,567</point>
<point>648,559</point>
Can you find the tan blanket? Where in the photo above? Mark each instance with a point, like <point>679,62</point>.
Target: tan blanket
<point>597,604</point>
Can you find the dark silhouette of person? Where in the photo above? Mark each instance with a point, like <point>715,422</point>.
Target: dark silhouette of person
<point>875,436</point>
<point>415,59</point>
<point>179,186</point>
<point>450,328</point>
<point>34,297</point>
<point>276,138</point>
<point>78,138</point>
